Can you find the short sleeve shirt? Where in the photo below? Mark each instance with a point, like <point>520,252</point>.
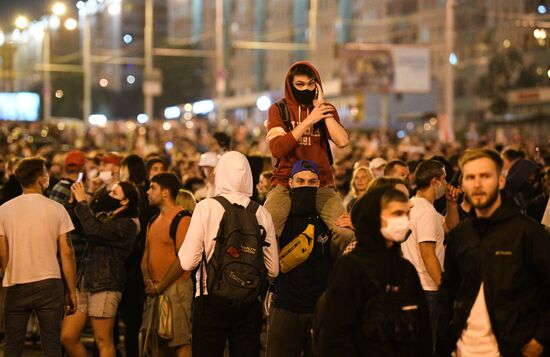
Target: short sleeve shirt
<point>427,225</point>
<point>32,224</point>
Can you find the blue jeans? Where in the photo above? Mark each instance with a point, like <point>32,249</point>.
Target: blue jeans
<point>45,298</point>
<point>432,301</point>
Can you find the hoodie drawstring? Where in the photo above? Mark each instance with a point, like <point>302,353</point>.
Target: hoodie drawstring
<point>300,113</point>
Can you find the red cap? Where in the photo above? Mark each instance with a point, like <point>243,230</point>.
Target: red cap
<point>111,158</point>
<point>75,160</point>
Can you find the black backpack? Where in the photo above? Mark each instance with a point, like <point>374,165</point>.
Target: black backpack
<point>173,225</point>
<point>236,273</point>
<point>285,116</point>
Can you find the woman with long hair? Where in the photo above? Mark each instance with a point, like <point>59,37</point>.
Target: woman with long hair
<point>102,274</point>
<point>134,170</point>
<point>360,180</point>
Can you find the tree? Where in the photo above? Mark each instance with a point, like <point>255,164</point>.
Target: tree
<point>505,66</point>
<point>183,80</point>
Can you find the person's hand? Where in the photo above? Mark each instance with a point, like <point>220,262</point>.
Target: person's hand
<point>532,349</point>
<point>344,221</point>
<point>320,95</point>
<point>320,112</point>
<point>94,184</point>
<point>151,288</point>
<point>452,193</point>
<point>78,191</point>
<point>70,303</point>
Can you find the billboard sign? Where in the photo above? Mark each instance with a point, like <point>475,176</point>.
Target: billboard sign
<point>385,68</point>
<point>20,106</point>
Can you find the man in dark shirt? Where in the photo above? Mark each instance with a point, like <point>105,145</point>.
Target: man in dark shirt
<point>304,269</point>
<point>74,165</point>
<point>494,295</point>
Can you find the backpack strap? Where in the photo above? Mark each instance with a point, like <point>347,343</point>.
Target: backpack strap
<point>224,202</point>
<point>226,206</point>
<point>175,223</point>
<point>285,117</point>
<point>284,114</point>
<point>324,137</point>
<point>252,208</point>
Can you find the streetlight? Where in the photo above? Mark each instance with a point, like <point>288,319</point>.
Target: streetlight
<point>21,22</point>
<point>114,9</point>
<point>539,34</point>
<point>59,9</point>
<point>71,24</point>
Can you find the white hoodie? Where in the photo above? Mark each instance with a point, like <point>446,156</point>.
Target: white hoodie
<point>234,182</point>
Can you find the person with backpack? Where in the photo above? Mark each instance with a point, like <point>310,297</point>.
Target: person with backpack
<point>165,235</point>
<point>374,304</point>
<point>232,240</point>
<point>300,127</point>
<point>305,264</point>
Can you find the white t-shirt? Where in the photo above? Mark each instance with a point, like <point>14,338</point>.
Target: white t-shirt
<point>204,227</point>
<point>477,339</point>
<point>32,223</point>
<point>427,225</point>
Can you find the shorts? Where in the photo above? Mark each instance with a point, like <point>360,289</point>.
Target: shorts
<point>101,304</point>
<point>180,294</point>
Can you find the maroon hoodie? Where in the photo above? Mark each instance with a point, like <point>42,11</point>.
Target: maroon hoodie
<point>285,148</point>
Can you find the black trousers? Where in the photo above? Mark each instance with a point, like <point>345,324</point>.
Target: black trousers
<point>213,327</point>
<point>45,298</point>
<point>131,311</point>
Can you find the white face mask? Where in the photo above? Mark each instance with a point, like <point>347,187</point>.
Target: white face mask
<point>396,229</point>
<point>440,190</point>
<point>92,174</point>
<point>106,176</point>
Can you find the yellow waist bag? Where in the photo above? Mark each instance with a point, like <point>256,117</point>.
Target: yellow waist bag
<point>298,250</point>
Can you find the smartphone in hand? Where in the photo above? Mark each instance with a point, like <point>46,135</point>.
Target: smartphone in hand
<point>80,177</point>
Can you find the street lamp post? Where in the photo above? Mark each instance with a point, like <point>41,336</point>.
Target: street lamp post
<point>221,81</point>
<point>449,71</point>
<point>87,67</point>
<point>148,51</point>
<point>47,78</point>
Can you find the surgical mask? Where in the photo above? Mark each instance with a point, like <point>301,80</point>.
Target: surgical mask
<point>396,229</point>
<point>92,174</point>
<point>440,190</point>
<point>304,97</point>
<point>106,176</point>
<point>303,200</point>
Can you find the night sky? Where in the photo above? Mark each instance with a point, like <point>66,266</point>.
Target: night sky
<point>33,9</point>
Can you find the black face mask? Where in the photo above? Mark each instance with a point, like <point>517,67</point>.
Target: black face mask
<point>108,204</point>
<point>304,97</point>
<point>303,200</point>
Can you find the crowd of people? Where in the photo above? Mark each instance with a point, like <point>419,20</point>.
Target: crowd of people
<point>339,246</point>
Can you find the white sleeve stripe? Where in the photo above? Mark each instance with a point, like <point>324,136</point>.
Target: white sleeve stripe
<point>275,132</point>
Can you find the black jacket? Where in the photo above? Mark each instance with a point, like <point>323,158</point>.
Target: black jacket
<point>510,254</point>
<point>109,244</point>
<point>299,289</point>
<point>351,324</point>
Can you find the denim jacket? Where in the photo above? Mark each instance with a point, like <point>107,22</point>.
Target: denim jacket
<point>109,244</point>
